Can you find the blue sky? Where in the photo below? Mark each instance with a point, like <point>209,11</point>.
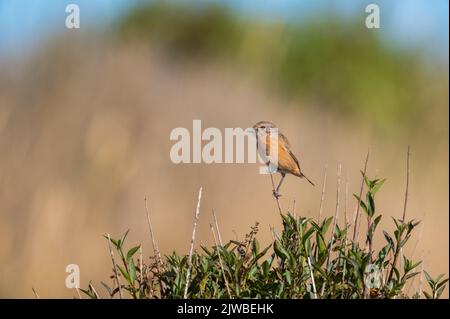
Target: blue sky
<point>410,23</point>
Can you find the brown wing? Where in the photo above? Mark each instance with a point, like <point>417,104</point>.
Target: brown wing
<point>287,162</point>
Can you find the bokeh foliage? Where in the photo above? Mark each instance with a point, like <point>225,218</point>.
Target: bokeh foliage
<point>337,64</point>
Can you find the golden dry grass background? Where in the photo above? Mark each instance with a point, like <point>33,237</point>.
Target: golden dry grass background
<point>84,137</point>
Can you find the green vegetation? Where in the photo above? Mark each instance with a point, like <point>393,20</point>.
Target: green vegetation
<point>300,263</point>
<point>336,64</point>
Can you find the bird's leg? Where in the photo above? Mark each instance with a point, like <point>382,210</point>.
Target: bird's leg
<point>275,192</point>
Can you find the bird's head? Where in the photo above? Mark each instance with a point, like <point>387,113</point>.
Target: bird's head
<point>264,125</point>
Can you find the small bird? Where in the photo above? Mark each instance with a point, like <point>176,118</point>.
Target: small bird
<point>287,162</point>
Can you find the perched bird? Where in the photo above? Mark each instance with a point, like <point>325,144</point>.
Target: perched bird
<point>287,162</point>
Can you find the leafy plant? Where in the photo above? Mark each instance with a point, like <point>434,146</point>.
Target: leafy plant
<point>301,262</point>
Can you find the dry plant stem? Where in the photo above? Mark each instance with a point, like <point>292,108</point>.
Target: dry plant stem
<point>347,224</point>
<point>355,227</point>
<point>191,250</point>
<point>414,279</point>
<point>346,230</point>
<point>95,291</point>
<point>276,197</point>
<point>419,238</point>
<point>156,251</point>
<point>336,213</point>
<point>78,293</point>
<point>35,293</point>
<point>322,197</point>
<point>152,237</point>
<point>336,217</point>
<point>114,266</point>
<point>217,227</point>
<point>294,206</point>
<point>235,235</point>
<point>421,278</point>
<point>221,264</point>
<point>407,184</point>
<point>140,266</point>
<point>406,200</point>
<point>312,278</point>
<point>272,232</point>
<point>400,251</point>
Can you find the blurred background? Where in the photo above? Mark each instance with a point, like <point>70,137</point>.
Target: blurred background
<point>85,118</point>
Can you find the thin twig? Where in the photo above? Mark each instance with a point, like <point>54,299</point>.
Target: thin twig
<point>114,266</point>
<point>217,227</point>
<point>406,200</point>
<point>419,238</point>
<point>355,229</point>
<point>141,271</point>
<point>276,197</point>
<point>336,212</point>
<point>156,250</point>
<point>191,250</point>
<point>294,206</point>
<point>407,185</point>
<point>346,231</point>
<point>312,278</point>
<point>421,276</point>
<point>235,235</point>
<point>35,293</point>
<point>414,278</point>
<point>95,291</point>
<point>272,232</point>
<point>152,237</point>
<point>336,217</point>
<point>221,263</point>
<point>322,197</point>
<point>347,224</point>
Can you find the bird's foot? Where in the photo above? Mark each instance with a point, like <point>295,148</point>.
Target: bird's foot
<point>276,194</point>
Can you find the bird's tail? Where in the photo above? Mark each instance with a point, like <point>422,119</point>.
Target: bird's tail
<point>303,175</point>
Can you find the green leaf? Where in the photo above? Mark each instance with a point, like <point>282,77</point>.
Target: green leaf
<point>438,278</point>
<point>255,247</point>
<point>429,279</point>
<point>440,291</point>
<point>388,238</point>
<point>115,242</point>
<point>377,186</point>
<point>123,239</point>
<point>124,274</point>
<point>132,251</point>
<point>321,243</point>
<point>89,293</point>
<point>308,234</point>
<point>408,276</point>
<point>280,251</point>
<point>261,254</point>
<point>132,269</point>
<point>107,288</point>
<point>443,282</point>
<point>361,203</point>
<point>366,179</point>
<point>288,277</point>
<point>370,205</point>
<point>325,225</point>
